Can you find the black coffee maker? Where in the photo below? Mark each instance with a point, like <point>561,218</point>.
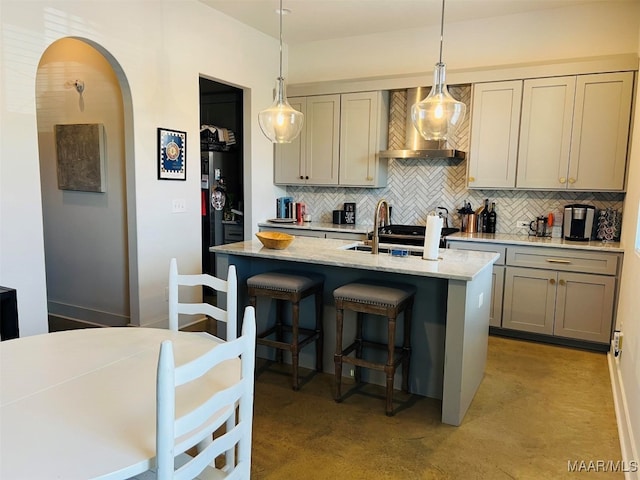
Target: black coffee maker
<point>578,222</point>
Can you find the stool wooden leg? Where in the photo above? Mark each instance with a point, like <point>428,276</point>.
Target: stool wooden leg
<point>389,368</point>
<point>319,331</point>
<point>338,355</point>
<point>359,339</point>
<point>295,317</point>
<point>252,301</point>
<point>279,330</point>
<point>406,347</point>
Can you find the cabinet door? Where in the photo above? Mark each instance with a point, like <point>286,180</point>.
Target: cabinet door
<point>289,168</point>
<point>495,126</point>
<point>529,300</point>
<point>363,134</point>
<point>545,132</point>
<point>584,306</point>
<point>322,141</point>
<point>495,314</point>
<point>600,131</point>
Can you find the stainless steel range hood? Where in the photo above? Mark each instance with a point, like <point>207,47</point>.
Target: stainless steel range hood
<point>415,145</point>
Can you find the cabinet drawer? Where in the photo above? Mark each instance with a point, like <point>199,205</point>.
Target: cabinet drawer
<point>563,260</point>
<point>480,247</point>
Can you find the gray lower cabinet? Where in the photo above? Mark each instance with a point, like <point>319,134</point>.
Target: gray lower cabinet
<point>561,292</point>
<point>584,306</point>
<point>565,304</point>
<point>495,312</point>
<point>529,300</point>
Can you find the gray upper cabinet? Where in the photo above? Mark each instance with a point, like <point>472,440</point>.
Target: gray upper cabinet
<point>573,133</point>
<point>495,128</point>
<point>339,143</point>
<point>600,135</point>
<point>312,158</point>
<point>545,132</point>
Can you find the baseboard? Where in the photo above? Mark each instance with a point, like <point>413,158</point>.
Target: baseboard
<point>58,323</point>
<point>87,315</point>
<point>625,429</point>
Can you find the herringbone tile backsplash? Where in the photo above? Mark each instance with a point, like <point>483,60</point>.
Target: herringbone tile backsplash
<point>417,187</point>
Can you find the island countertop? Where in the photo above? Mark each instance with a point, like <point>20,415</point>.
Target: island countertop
<point>462,265</point>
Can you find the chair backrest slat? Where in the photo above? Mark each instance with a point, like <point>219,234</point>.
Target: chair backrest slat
<point>229,287</point>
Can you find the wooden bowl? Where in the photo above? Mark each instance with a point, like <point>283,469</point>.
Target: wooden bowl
<point>275,240</point>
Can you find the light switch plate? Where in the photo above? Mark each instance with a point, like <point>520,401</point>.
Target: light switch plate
<point>179,205</point>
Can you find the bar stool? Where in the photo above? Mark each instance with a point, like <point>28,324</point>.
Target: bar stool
<point>292,287</point>
<point>386,300</point>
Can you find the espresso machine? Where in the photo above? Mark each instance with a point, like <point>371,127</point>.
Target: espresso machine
<point>578,222</point>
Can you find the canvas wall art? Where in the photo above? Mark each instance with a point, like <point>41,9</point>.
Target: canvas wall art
<point>80,153</point>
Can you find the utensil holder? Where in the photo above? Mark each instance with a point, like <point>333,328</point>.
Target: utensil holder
<point>469,223</point>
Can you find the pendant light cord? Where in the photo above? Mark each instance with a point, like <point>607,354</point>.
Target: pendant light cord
<point>281,40</point>
<point>441,31</point>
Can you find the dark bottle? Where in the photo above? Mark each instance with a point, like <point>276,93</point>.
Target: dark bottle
<point>492,219</point>
<point>484,217</point>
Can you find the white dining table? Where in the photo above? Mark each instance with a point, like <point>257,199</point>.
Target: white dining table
<point>80,404</point>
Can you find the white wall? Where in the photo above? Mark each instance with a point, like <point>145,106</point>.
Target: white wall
<point>628,321</point>
<point>563,33</point>
<point>161,47</point>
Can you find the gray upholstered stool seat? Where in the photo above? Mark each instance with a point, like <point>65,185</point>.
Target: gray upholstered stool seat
<point>388,300</point>
<point>292,287</point>
<point>286,282</point>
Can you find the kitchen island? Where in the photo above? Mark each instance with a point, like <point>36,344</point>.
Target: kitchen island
<point>450,318</point>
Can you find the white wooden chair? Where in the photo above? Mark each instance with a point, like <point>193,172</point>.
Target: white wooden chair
<point>175,435</point>
<point>228,286</point>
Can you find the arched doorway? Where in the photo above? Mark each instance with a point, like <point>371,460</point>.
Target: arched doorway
<point>89,232</point>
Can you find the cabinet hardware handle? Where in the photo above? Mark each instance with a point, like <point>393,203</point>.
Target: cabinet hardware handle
<point>301,177</point>
<point>472,179</point>
<point>563,180</point>
<point>557,260</point>
<point>307,177</point>
<point>552,281</point>
<point>572,180</point>
<point>562,282</point>
<point>369,178</point>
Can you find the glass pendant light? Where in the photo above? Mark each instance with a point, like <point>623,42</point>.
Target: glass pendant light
<point>280,123</point>
<point>439,114</point>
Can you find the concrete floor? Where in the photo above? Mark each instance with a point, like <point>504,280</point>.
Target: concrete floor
<point>538,408</point>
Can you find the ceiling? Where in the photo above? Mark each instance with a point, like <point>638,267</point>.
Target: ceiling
<point>313,20</point>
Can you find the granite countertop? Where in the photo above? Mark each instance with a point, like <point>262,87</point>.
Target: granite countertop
<point>330,227</point>
<point>451,264</point>
<point>556,242</point>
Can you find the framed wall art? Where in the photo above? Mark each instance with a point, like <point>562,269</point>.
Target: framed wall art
<point>172,154</point>
<point>80,157</point>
